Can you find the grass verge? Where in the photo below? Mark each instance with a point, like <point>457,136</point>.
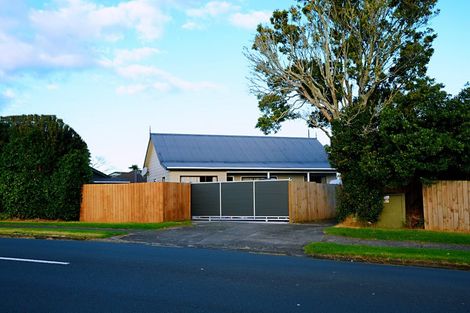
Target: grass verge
<point>391,255</point>
<point>76,230</point>
<point>400,235</point>
<point>73,225</point>
<point>78,234</point>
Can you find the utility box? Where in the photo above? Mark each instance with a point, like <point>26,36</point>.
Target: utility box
<point>394,213</point>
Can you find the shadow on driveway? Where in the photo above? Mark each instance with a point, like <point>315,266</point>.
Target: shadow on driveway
<point>282,238</point>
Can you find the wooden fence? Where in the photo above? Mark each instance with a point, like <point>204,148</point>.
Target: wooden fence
<point>143,202</point>
<point>446,206</point>
<point>311,201</point>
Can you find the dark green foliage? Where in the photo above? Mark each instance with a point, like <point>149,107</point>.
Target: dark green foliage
<point>66,185</point>
<point>359,198</point>
<point>423,136</point>
<point>354,153</point>
<point>275,111</point>
<point>43,164</point>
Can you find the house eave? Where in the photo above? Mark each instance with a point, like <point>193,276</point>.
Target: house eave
<point>251,168</point>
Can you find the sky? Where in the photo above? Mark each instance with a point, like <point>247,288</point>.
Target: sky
<point>114,70</point>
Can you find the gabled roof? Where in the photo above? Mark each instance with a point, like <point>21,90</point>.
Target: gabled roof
<point>181,151</point>
<point>102,178</point>
<point>128,176</point>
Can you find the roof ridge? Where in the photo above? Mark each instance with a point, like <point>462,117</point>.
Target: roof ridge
<point>238,136</point>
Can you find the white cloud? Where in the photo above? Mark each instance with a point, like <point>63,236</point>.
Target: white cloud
<point>161,86</point>
<point>85,20</point>
<point>135,71</point>
<point>8,94</point>
<point>212,9</point>
<point>232,12</point>
<point>52,86</point>
<point>191,26</point>
<point>162,80</point>
<point>124,56</point>
<point>13,52</point>
<point>185,85</point>
<point>250,20</point>
<point>62,60</point>
<point>67,34</point>
<point>70,34</point>
<point>130,89</point>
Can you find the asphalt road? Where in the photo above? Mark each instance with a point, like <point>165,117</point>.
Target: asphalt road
<point>110,277</point>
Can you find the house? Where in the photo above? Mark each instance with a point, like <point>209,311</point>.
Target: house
<point>102,178</point>
<point>132,176</point>
<point>209,158</point>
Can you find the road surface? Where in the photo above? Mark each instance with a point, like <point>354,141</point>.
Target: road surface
<point>77,276</point>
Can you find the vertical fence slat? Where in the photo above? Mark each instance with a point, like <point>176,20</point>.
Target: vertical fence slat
<point>141,202</point>
<point>446,206</point>
<point>310,201</point>
<point>466,197</point>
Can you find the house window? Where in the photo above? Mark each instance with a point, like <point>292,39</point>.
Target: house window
<point>198,179</point>
<point>189,179</point>
<point>163,179</point>
<point>207,179</point>
<point>316,178</point>
<point>229,178</point>
<point>254,178</point>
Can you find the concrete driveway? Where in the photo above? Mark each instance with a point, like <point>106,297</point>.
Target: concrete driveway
<point>271,238</point>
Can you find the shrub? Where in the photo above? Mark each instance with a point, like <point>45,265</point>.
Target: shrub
<point>43,164</point>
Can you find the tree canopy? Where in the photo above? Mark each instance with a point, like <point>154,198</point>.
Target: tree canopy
<point>357,70</point>
<point>320,57</point>
<point>423,136</point>
<point>43,164</point>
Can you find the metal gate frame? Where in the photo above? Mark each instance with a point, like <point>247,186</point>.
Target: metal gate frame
<point>220,217</point>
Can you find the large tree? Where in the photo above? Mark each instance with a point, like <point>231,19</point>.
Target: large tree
<point>319,57</point>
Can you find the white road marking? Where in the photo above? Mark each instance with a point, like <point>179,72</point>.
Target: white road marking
<point>34,261</point>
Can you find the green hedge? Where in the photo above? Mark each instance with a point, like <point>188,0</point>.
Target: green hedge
<point>43,164</point>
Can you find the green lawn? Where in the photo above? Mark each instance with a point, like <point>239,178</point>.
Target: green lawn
<point>76,230</point>
<point>400,235</point>
<point>418,256</point>
<point>58,233</point>
<point>71,225</point>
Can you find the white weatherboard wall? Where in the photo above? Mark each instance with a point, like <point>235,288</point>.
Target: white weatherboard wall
<point>156,171</point>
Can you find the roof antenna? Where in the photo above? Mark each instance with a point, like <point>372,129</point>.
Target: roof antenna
<point>308,132</point>
<point>150,129</point>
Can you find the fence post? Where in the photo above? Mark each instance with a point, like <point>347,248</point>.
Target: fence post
<point>254,200</point>
<point>220,200</point>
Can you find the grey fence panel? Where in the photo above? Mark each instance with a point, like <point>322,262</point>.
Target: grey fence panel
<point>272,198</point>
<point>205,199</point>
<point>237,199</point>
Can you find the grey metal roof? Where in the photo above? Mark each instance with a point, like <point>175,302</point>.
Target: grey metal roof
<point>182,151</point>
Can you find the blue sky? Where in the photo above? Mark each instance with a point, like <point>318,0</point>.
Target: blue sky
<point>111,69</point>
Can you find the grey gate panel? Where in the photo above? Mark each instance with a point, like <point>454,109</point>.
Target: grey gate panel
<point>272,198</point>
<point>237,199</point>
<point>269,200</point>
<point>205,199</point>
